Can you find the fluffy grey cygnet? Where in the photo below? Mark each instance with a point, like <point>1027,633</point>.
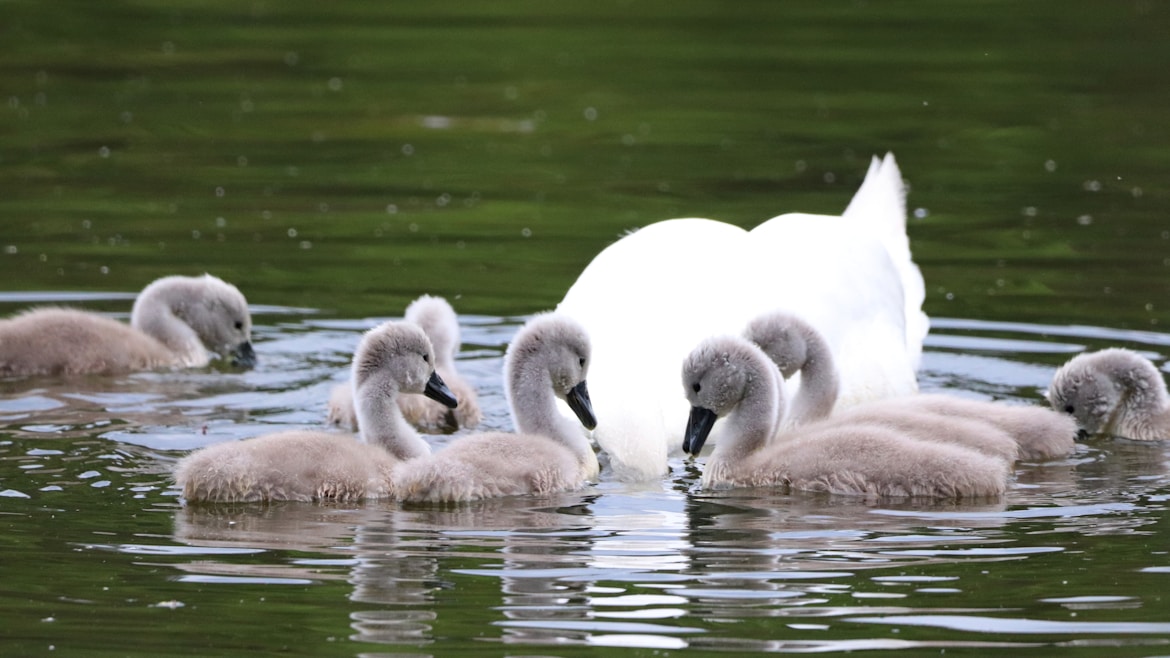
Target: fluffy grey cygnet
<point>176,322</point>
<point>393,359</point>
<point>1114,391</point>
<point>547,359</point>
<point>1034,433</point>
<point>439,322</point>
<point>730,378</point>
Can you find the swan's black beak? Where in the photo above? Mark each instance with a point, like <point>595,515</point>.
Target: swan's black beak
<point>578,399</point>
<point>699,425</point>
<point>438,391</point>
<point>243,355</point>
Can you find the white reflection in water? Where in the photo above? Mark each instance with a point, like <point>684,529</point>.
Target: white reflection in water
<point>1011,625</point>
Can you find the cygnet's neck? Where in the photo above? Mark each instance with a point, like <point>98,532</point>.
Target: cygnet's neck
<point>1143,411</point>
<point>754,421</point>
<point>534,409</point>
<point>381,423</point>
<point>796,346</point>
<point>819,384</point>
<point>157,312</point>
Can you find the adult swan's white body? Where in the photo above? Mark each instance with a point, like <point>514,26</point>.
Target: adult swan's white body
<point>647,299</point>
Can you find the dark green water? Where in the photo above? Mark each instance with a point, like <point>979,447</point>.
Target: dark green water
<point>335,160</point>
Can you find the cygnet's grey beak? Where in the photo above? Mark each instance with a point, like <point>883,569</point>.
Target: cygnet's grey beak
<point>578,399</point>
<point>243,355</point>
<point>438,391</point>
<point>699,425</point>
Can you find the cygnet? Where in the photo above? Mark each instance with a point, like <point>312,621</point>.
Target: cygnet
<point>393,359</point>
<point>176,322</point>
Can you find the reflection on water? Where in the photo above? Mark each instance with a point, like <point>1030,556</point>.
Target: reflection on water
<point>654,566</point>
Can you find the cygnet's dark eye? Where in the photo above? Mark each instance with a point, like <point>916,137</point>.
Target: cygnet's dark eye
<point>696,387</point>
<point>239,325</point>
<point>1068,409</point>
<point>581,361</point>
<point>427,358</point>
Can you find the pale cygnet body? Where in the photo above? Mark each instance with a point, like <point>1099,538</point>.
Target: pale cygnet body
<point>1039,433</point>
<point>732,379</point>
<point>907,416</point>
<point>548,359</point>
<point>176,322</point>
<point>1024,432</point>
<point>392,359</point>
<point>1113,391</point>
<point>441,325</point>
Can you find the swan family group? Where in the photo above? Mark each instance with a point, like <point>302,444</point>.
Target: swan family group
<point>806,387</point>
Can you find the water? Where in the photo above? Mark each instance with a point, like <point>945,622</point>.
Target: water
<point>102,554</point>
<point>337,160</point>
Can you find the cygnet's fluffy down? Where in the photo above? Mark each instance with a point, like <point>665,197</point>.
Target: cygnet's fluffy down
<point>176,322</point>
<point>1039,433</point>
<point>438,321</point>
<point>548,359</point>
<point>730,378</point>
<point>296,465</point>
<point>392,359</point>
<point>1115,392</point>
<point>1027,432</point>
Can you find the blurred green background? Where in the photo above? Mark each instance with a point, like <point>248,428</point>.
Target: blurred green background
<point>348,156</point>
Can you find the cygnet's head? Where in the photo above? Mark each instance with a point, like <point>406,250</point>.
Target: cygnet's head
<point>781,336</point>
<point>440,323</point>
<point>214,309</point>
<point>1093,387</point>
<point>717,376</point>
<point>397,357</point>
<point>554,346</point>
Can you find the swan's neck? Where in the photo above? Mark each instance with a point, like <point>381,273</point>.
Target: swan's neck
<point>381,423</point>
<point>534,410</point>
<point>157,312</point>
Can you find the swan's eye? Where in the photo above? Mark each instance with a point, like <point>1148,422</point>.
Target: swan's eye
<point>426,358</point>
<point>1068,409</point>
<point>239,325</point>
<point>581,361</point>
<point>696,387</point>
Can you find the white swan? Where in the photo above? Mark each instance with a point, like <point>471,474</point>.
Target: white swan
<point>1029,432</point>
<point>1113,391</point>
<point>304,465</point>
<point>439,322</point>
<point>731,378</point>
<point>548,359</point>
<point>175,322</point>
<point>652,295</point>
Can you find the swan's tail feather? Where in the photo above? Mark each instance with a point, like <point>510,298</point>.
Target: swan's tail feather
<point>881,199</point>
<point>880,205</point>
